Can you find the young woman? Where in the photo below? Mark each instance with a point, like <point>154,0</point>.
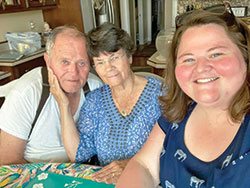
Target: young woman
<point>203,137</point>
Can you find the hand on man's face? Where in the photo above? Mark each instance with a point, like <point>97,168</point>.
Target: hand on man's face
<point>56,90</point>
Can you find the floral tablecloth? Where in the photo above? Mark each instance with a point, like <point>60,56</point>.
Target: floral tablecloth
<point>17,176</point>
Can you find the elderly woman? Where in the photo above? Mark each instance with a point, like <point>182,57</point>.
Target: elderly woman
<point>203,137</point>
<point>117,118</point>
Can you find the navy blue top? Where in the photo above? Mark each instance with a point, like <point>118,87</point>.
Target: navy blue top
<point>105,132</point>
<point>179,168</point>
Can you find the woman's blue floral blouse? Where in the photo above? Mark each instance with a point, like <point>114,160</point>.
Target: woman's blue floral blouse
<point>109,135</point>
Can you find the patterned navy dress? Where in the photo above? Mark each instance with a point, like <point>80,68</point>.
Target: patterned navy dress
<point>179,168</point>
<point>109,135</point>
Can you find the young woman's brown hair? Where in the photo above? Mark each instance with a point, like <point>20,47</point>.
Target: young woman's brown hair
<point>176,103</point>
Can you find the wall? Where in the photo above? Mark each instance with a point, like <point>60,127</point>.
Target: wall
<point>68,12</point>
<point>20,22</point>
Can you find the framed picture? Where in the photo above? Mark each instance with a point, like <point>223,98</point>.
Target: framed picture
<point>240,11</point>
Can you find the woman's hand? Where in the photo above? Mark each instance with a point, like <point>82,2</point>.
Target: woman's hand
<point>70,134</point>
<point>56,90</point>
<point>110,173</point>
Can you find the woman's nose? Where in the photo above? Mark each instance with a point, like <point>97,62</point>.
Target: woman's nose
<point>203,64</point>
<point>108,65</point>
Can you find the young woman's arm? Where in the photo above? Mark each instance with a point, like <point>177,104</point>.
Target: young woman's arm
<point>143,169</point>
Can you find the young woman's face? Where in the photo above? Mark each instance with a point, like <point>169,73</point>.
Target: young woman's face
<point>210,67</point>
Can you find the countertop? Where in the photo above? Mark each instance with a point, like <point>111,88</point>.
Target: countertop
<point>24,59</point>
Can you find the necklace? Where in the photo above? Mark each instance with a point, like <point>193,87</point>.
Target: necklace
<point>124,102</point>
<point>124,113</point>
<point>123,108</point>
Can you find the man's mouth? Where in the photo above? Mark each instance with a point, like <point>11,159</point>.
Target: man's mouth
<point>206,80</point>
<point>73,81</point>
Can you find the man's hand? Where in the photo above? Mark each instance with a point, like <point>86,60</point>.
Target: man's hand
<point>56,90</point>
<point>110,173</point>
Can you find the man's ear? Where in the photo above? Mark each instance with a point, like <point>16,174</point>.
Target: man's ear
<point>46,59</point>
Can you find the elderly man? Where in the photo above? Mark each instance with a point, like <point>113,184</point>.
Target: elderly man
<point>66,56</point>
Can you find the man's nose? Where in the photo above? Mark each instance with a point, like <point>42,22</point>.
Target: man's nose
<point>73,68</point>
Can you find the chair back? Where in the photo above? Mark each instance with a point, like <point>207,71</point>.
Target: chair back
<point>149,74</point>
<point>5,89</point>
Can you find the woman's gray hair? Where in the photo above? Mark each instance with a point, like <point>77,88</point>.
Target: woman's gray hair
<point>58,30</point>
<point>108,38</point>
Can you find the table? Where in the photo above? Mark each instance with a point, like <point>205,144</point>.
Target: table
<point>20,175</point>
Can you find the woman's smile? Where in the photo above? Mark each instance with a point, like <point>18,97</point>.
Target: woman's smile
<point>206,80</point>
<point>113,75</point>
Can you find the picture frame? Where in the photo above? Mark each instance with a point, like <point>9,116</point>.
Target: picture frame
<point>240,11</point>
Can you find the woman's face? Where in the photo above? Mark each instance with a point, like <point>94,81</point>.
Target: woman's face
<point>113,68</point>
<point>210,67</point>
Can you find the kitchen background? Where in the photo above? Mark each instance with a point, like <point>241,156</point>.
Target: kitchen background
<point>20,22</point>
<point>144,20</point>
<point>70,12</point>
<point>184,4</point>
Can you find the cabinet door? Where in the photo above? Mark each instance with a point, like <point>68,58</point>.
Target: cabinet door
<point>41,3</point>
<point>50,2</point>
<point>35,3</point>
<point>12,4</point>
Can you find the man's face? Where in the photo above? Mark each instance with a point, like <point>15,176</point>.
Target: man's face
<point>69,62</point>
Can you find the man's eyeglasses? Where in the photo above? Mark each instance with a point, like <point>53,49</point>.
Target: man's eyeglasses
<point>113,59</point>
<point>223,10</point>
